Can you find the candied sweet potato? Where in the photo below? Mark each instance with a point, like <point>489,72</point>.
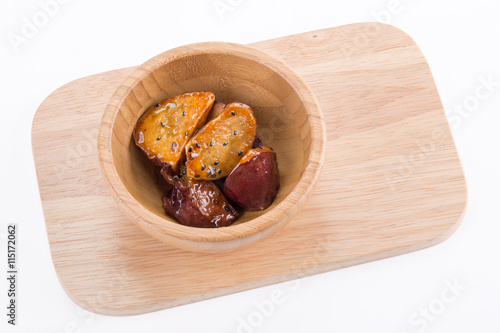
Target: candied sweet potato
<point>164,129</point>
<point>196,203</point>
<point>216,149</point>
<point>255,181</point>
<point>216,110</point>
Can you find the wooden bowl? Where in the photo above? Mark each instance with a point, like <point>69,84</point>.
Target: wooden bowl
<point>289,119</point>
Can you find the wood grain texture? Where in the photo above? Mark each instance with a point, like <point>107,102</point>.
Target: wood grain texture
<point>392,181</point>
<point>289,119</point>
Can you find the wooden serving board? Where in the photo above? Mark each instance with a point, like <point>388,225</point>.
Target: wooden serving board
<point>392,182</point>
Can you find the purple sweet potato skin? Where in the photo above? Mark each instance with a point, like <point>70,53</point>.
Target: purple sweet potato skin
<point>254,184</point>
<point>196,203</point>
<point>257,142</point>
<point>167,202</point>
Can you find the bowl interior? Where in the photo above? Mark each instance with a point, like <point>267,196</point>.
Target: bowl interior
<point>232,75</point>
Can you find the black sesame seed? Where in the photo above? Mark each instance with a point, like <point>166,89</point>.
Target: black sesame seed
<point>190,149</point>
<point>234,114</point>
<point>219,171</point>
<point>235,132</point>
<point>184,113</point>
<point>216,202</point>
<point>224,144</point>
<point>158,138</point>
<point>197,176</point>
<point>157,105</point>
<point>271,148</point>
<point>213,175</point>
<point>226,208</point>
<point>211,144</point>
<point>197,145</point>
<point>187,133</point>
<point>216,162</point>
<point>203,167</point>
<point>175,178</point>
<point>240,153</point>
<point>162,124</point>
<point>183,172</point>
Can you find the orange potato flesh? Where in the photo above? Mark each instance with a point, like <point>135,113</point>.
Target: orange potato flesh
<point>163,131</point>
<point>254,152</point>
<point>216,149</point>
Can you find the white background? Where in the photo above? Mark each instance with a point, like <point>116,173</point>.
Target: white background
<point>461,42</point>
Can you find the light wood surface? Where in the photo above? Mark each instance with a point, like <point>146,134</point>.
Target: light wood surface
<point>289,119</point>
<point>392,182</point>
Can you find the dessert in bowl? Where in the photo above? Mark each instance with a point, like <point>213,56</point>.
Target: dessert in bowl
<point>289,120</point>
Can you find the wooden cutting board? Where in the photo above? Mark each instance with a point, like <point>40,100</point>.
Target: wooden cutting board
<point>392,181</point>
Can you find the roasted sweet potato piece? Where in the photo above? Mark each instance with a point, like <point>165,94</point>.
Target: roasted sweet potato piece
<point>216,110</point>
<point>217,148</point>
<point>255,181</point>
<point>196,203</point>
<point>163,131</point>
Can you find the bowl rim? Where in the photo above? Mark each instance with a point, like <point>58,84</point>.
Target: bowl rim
<point>151,222</point>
